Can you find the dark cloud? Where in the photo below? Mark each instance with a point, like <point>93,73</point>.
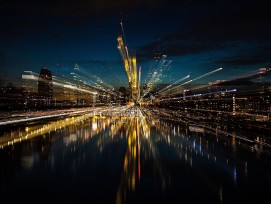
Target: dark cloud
<point>260,56</point>
<point>249,23</point>
<point>238,82</point>
<point>241,62</point>
<point>69,31</point>
<point>176,48</point>
<point>252,78</point>
<point>244,62</point>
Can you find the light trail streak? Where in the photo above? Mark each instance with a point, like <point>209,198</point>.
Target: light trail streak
<point>197,78</point>
<point>82,80</point>
<point>40,117</point>
<point>139,82</point>
<point>248,75</point>
<point>160,66</point>
<point>60,84</point>
<point>78,89</point>
<point>178,81</point>
<point>87,78</point>
<point>79,81</point>
<point>200,77</point>
<point>197,95</point>
<point>96,111</point>
<point>28,133</point>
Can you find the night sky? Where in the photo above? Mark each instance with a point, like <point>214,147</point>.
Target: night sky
<point>198,36</point>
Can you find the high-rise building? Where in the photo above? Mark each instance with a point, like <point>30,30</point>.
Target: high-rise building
<point>130,68</point>
<point>45,86</point>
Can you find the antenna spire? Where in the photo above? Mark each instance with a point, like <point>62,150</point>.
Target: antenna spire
<point>122,29</point>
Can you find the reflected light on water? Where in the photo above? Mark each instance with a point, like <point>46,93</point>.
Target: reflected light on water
<point>170,154</point>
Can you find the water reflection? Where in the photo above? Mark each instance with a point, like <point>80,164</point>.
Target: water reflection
<point>137,158</point>
<point>137,129</point>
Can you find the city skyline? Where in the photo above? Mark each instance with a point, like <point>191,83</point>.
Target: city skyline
<point>197,37</point>
<point>141,101</point>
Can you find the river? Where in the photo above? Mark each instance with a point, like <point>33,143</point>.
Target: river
<point>120,159</point>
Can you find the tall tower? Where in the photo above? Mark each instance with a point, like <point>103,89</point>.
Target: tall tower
<point>138,84</point>
<point>45,86</point>
<point>130,68</point>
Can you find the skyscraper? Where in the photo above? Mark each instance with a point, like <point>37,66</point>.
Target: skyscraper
<point>45,86</point>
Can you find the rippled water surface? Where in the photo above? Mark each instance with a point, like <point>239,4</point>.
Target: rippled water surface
<point>129,160</point>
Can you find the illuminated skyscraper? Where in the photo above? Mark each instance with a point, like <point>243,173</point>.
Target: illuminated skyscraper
<point>130,68</point>
<point>45,86</point>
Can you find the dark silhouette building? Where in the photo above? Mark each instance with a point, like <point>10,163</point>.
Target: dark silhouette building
<point>45,86</point>
<point>123,96</point>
